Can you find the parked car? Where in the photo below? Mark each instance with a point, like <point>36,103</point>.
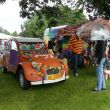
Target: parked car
<point>32,63</point>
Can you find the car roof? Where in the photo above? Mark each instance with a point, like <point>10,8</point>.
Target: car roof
<point>27,39</point>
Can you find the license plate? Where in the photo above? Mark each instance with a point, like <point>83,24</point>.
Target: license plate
<point>53,77</point>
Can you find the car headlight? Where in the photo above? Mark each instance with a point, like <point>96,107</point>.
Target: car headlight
<point>34,64</point>
<point>64,61</point>
<point>62,66</point>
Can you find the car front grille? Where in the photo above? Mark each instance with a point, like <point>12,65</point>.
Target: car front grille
<point>52,71</point>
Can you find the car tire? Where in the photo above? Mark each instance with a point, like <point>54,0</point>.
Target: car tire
<point>4,69</point>
<point>22,80</point>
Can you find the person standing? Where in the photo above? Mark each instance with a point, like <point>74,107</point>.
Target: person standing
<point>75,46</point>
<point>101,57</point>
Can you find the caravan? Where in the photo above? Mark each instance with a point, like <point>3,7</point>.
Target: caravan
<point>57,38</point>
<point>3,40</point>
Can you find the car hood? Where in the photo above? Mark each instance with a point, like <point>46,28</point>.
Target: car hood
<point>47,60</point>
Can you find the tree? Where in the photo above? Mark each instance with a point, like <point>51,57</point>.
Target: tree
<point>2,1</point>
<point>2,30</point>
<point>70,16</point>
<point>99,8</point>
<point>35,27</point>
<point>32,7</point>
<point>14,33</point>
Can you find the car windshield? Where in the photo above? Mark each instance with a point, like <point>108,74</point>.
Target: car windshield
<point>38,47</point>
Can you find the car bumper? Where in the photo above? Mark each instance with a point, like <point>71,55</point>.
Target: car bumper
<point>50,81</point>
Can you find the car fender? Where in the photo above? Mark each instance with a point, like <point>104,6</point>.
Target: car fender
<point>29,72</point>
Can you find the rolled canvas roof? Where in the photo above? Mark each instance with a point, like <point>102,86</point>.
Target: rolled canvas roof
<point>27,39</point>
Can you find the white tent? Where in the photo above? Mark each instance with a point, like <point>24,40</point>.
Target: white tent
<point>4,36</point>
<point>3,39</point>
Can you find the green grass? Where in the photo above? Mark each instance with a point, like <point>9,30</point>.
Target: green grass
<point>73,94</point>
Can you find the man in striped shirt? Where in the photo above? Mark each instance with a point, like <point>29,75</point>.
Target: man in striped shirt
<point>75,46</point>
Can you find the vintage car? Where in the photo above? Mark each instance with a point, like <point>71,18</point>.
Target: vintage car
<point>32,63</point>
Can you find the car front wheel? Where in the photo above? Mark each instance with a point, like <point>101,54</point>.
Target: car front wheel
<point>23,82</point>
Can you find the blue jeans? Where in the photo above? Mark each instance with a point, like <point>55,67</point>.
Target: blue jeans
<point>100,75</point>
<point>75,62</point>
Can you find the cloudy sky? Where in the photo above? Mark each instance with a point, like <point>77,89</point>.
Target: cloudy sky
<point>9,16</point>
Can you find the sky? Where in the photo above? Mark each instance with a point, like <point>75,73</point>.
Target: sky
<point>9,16</point>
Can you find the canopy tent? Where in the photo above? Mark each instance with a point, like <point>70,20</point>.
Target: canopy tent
<point>98,29</point>
<point>4,36</point>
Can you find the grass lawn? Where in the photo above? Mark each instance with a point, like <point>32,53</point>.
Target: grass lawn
<point>73,94</point>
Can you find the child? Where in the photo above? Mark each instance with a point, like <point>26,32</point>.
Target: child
<point>107,74</point>
<point>107,63</point>
<point>107,70</point>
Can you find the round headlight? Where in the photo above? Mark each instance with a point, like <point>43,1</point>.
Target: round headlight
<point>62,66</point>
<point>34,64</point>
<point>64,61</point>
